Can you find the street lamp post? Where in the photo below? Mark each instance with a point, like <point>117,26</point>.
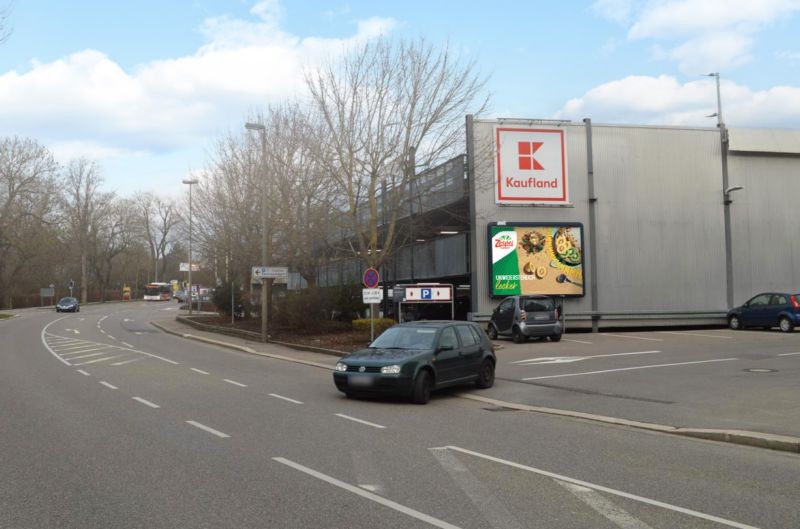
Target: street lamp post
<point>726,199</point>
<point>190,182</point>
<point>266,284</point>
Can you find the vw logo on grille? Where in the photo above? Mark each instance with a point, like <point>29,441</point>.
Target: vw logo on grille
<point>362,369</point>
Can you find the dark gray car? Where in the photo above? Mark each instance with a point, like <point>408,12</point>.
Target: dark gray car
<point>523,317</point>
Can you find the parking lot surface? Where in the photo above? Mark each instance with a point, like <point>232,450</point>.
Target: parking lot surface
<point>709,378</point>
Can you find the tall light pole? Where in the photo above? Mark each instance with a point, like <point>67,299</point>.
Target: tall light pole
<point>190,182</point>
<point>266,290</point>
<point>726,199</point>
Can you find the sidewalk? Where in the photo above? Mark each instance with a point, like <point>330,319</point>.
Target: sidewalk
<point>327,361</point>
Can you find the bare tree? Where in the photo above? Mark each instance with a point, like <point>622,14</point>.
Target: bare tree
<point>83,205</point>
<point>27,191</point>
<point>385,108</point>
<point>157,219</point>
<point>112,233</point>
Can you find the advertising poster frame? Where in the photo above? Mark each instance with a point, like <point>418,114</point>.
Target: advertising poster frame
<point>574,275</point>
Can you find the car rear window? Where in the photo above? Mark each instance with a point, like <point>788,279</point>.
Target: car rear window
<point>537,304</point>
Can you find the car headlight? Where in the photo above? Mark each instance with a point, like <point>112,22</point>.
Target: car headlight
<point>391,370</point>
<point>340,366</point>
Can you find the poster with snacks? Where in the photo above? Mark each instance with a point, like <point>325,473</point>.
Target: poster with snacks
<point>528,258</point>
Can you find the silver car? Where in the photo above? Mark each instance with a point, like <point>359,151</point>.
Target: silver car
<point>523,317</point>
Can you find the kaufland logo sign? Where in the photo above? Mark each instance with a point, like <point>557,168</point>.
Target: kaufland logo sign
<point>531,166</point>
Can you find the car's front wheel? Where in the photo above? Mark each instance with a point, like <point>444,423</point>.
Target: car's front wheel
<point>786,324</point>
<point>485,375</point>
<point>735,323</point>
<point>422,388</point>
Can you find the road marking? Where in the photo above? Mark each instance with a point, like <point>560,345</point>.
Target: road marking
<point>81,351</point>
<point>493,511</point>
<point>99,360</point>
<point>632,368</point>
<point>42,336</point>
<point>82,372</point>
<point>601,488</point>
<point>695,334</point>
<point>127,361</point>
<point>632,337</point>
<point>368,477</point>
<point>368,495</point>
<point>576,341</point>
<point>111,337</point>
<point>208,429</point>
<point>139,334</point>
<point>566,359</point>
<point>101,319</point>
<point>76,331</point>
<point>343,416</point>
<point>126,344</point>
<point>284,398</point>
<point>199,371</point>
<point>74,346</point>
<point>55,340</point>
<point>235,383</point>
<point>146,402</point>
<point>102,331</point>
<point>89,355</point>
<point>789,354</point>
<point>109,386</point>
<point>617,515</point>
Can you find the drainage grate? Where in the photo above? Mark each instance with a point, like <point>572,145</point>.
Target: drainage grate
<point>761,370</point>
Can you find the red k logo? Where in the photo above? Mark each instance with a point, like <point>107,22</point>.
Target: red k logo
<point>526,150</point>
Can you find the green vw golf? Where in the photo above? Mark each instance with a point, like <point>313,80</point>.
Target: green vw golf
<point>412,359</point>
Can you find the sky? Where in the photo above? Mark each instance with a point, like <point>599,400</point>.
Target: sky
<point>146,88</point>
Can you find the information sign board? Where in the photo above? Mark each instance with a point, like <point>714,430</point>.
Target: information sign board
<point>372,295</point>
<point>271,272</point>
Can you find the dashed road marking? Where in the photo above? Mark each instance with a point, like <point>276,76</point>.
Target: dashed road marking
<point>132,360</point>
<point>82,372</point>
<point>208,429</point>
<point>99,360</point>
<point>284,398</point>
<point>126,344</point>
<point>374,425</point>
<point>235,383</point>
<point>789,354</point>
<point>199,371</point>
<point>146,402</point>
<point>109,386</point>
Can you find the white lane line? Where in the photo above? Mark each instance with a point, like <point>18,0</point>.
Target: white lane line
<point>284,398</point>
<point>235,383</point>
<point>368,495</point>
<point>127,361</point>
<point>208,429</point>
<point>82,372</point>
<point>89,355</point>
<point>632,368</point>
<point>99,360</point>
<point>126,344</point>
<point>139,334</point>
<point>111,337</point>
<point>343,416</point>
<point>679,333</point>
<point>56,340</point>
<point>109,386</point>
<point>600,488</point>
<point>632,337</point>
<point>575,341</point>
<point>560,359</point>
<point>493,511</point>
<point>789,354</point>
<point>101,319</point>
<point>199,371</point>
<point>616,515</point>
<point>73,347</point>
<point>146,402</point>
<point>44,334</point>
<point>102,331</point>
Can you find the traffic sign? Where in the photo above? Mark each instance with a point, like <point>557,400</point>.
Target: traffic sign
<point>271,272</point>
<point>372,295</point>
<point>431,294</point>
<point>371,278</point>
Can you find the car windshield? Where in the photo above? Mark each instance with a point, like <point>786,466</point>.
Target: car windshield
<point>67,300</point>
<point>405,338</point>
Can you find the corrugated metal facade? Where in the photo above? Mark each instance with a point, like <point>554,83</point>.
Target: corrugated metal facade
<point>660,226</point>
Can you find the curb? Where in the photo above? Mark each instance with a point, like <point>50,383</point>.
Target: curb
<point>241,348</point>
<point>782,443</point>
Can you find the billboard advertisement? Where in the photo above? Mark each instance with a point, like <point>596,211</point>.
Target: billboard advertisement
<point>531,166</point>
<point>531,258</point>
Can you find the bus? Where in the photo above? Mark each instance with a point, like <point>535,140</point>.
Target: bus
<point>158,292</point>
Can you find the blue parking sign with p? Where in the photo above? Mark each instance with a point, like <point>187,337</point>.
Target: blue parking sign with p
<point>427,293</point>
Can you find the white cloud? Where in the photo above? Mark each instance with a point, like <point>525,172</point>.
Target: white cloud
<point>702,35</point>
<point>85,103</point>
<point>665,101</point>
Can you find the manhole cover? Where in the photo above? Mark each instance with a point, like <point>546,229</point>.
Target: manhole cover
<point>761,370</point>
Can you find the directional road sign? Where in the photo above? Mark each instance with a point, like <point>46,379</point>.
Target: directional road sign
<point>270,272</point>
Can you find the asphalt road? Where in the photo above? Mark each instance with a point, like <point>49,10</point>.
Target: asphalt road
<point>105,422</point>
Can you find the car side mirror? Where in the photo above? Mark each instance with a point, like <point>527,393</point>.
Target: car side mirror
<point>444,348</point>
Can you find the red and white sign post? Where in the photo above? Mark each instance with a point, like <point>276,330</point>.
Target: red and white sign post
<point>531,166</point>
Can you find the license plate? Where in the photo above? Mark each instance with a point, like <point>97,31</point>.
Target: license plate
<point>360,381</point>
<point>540,316</point>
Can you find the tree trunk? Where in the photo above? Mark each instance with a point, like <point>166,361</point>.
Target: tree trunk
<point>84,279</point>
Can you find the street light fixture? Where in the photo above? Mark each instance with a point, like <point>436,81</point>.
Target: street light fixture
<point>190,182</point>
<point>266,284</point>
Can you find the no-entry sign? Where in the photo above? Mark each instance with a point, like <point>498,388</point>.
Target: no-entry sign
<point>531,166</point>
